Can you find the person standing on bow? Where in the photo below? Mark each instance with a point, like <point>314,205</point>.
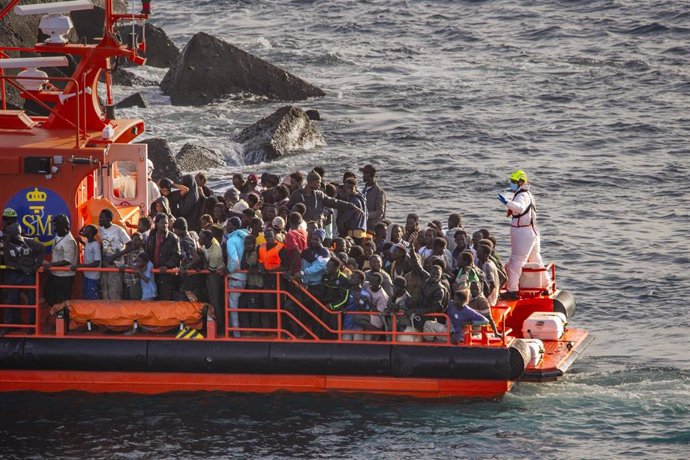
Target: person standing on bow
<point>524,234</point>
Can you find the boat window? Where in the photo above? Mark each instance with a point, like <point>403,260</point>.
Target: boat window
<point>124,175</point>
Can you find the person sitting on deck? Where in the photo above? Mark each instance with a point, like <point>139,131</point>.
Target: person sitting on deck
<point>92,259</point>
<point>461,315</point>
<point>480,303</point>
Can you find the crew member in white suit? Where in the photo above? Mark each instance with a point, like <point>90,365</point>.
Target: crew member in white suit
<point>524,234</point>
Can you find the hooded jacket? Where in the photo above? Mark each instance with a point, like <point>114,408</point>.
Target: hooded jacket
<point>235,250</point>
<point>190,204</point>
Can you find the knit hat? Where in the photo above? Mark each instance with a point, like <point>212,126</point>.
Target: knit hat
<point>235,221</point>
<point>321,233</point>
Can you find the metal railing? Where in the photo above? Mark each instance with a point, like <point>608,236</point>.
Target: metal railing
<point>287,324</point>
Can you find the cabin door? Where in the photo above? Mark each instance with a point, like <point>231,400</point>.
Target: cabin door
<point>126,182</point>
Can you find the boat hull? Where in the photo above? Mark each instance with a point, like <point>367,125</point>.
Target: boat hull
<point>166,382</point>
<point>160,366</point>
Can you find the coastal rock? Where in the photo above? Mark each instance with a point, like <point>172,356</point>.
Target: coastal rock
<point>209,68</point>
<point>314,115</point>
<point>160,50</point>
<point>89,23</point>
<point>287,129</point>
<point>124,77</point>
<point>133,100</point>
<point>163,159</point>
<point>197,158</point>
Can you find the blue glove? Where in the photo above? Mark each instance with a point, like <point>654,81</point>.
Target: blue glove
<point>502,199</point>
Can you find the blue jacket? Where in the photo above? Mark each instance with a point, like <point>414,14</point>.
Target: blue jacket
<point>460,317</point>
<point>314,265</point>
<point>235,248</point>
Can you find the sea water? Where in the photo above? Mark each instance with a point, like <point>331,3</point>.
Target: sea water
<point>446,98</point>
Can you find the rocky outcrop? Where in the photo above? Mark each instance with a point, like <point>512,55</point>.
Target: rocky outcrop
<point>163,159</point>
<point>314,115</point>
<point>209,68</point>
<point>286,130</point>
<point>124,77</point>
<point>133,100</point>
<point>196,158</point>
<point>160,50</point>
<point>89,23</point>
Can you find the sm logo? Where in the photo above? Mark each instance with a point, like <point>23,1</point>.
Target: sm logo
<point>36,208</point>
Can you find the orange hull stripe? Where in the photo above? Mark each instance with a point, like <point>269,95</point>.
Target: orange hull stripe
<point>155,383</point>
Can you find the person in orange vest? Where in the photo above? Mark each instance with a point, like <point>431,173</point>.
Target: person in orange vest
<point>270,260</point>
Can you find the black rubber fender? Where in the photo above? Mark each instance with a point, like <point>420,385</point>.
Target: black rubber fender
<point>86,355</point>
<point>208,356</point>
<point>11,353</point>
<point>452,362</point>
<point>330,359</point>
<point>564,302</point>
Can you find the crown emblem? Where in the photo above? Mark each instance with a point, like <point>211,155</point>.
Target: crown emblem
<point>36,195</point>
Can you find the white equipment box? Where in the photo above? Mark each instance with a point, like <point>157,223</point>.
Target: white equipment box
<point>544,326</point>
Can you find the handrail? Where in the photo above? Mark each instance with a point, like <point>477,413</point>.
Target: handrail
<point>10,79</point>
<point>392,336</point>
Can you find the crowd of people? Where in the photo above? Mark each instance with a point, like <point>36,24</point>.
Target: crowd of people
<point>331,237</point>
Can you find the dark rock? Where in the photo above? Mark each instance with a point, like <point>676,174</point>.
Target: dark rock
<point>287,129</point>
<point>124,77</point>
<point>209,68</point>
<point>160,50</point>
<point>314,115</point>
<point>163,159</point>
<point>89,24</point>
<point>134,100</point>
<point>196,158</point>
